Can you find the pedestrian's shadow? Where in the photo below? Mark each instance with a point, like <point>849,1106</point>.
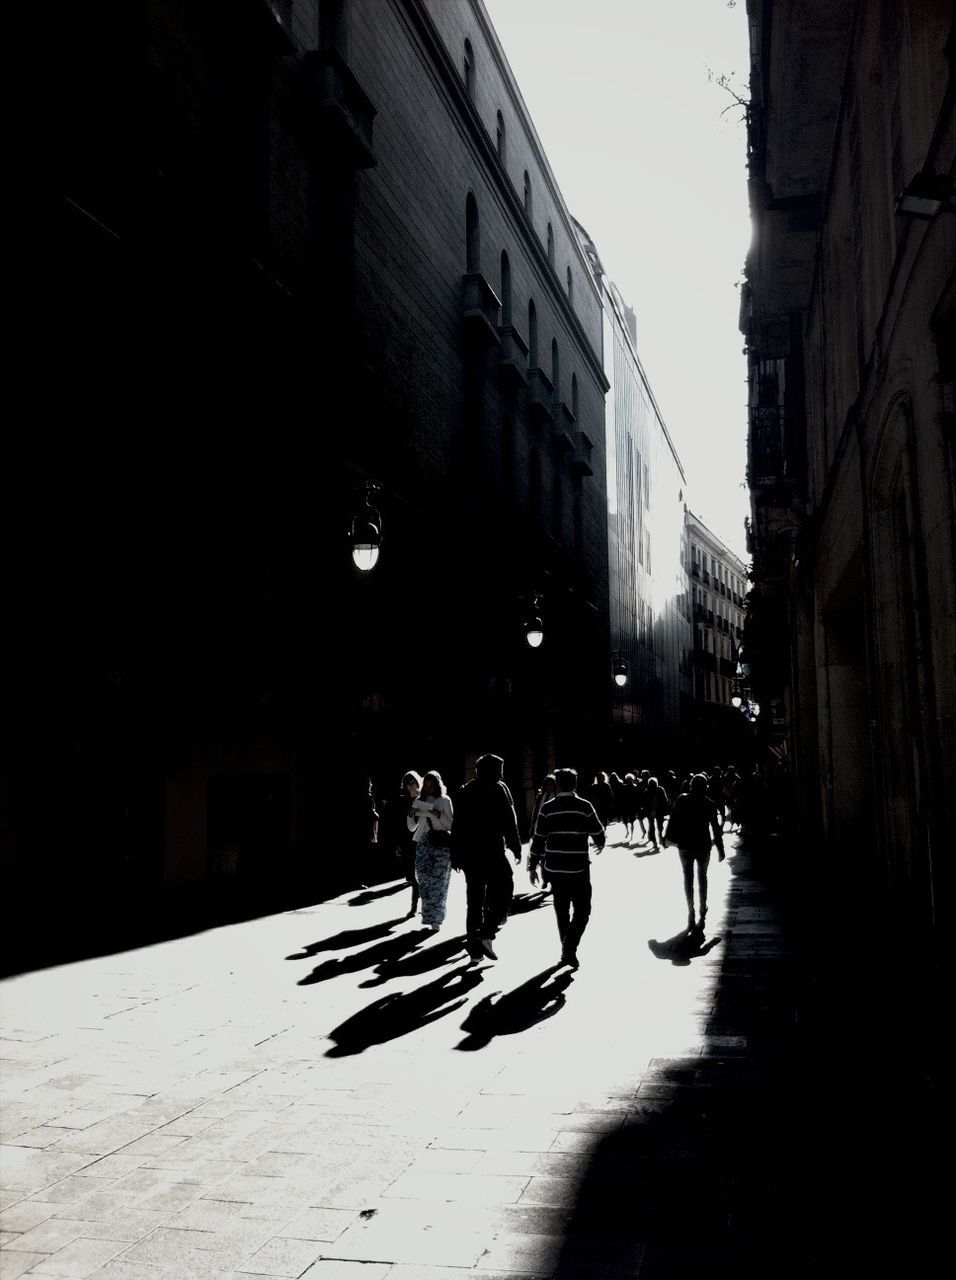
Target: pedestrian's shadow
<point>521,903</point>
<point>416,963</point>
<point>346,938</point>
<point>683,947</point>
<point>647,851</point>
<point>371,895</point>
<point>400,1013</point>
<point>387,950</point>
<point>540,997</point>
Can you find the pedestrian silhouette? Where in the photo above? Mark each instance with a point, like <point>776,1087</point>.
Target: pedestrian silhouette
<point>416,962</point>
<point>345,938</point>
<point>400,1013</point>
<point>389,949</point>
<point>503,1015</point>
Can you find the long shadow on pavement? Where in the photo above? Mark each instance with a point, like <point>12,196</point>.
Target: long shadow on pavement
<point>346,938</point>
<point>501,1015</point>
<point>390,949</point>
<point>418,962</point>
<point>400,1013</point>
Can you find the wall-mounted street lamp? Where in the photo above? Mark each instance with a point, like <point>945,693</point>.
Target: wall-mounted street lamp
<point>619,669</point>
<point>366,533</point>
<point>925,196</point>
<point>533,628</point>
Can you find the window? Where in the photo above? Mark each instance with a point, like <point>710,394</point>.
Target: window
<point>500,137</point>
<point>574,395</point>
<point>505,289</point>
<point>527,193</point>
<point>532,336</point>
<point>469,69</point>
<point>555,369</point>
<point>550,244</point>
<point>472,254</point>
<point>570,286</point>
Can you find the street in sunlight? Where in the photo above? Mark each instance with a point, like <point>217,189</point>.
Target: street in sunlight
<point>331,1085</point>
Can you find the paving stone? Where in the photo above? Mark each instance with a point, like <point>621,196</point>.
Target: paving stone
<point>78,1259</point>
<point>13,1265</point>
<point>283,1257</point>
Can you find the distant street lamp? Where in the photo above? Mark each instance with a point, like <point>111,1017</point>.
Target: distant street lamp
<point>533,628</point>
<point>366,533</point>
<point>620,670</point>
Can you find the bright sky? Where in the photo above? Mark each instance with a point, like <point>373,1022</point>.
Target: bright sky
<point>633,129</point>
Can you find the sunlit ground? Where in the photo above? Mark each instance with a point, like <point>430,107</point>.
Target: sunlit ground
<point>333,1059</point>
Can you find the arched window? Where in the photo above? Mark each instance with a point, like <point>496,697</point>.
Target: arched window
<point>527,193</point>
<point>469,69</point>
<point>551,244</point>
<point>532,336</point>
<point>556,368</point>
<point>574,395</point>
<point>505,289</point>
<point>570,286</point>
<point>472,255</point>
<point>501,137</point>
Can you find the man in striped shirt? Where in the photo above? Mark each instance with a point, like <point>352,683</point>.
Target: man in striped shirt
<point>561,842</point>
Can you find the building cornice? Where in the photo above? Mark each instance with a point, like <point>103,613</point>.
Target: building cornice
<point>469,119</point>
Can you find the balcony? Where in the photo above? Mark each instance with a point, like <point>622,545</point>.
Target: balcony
<point>695,570</point>
<point>512,357</point>
<point>706,577</point>
<point>337,113</point>
<point>540,396</point>
<point>581,458</point>
<point>563,426</point>
<point>480,309</point>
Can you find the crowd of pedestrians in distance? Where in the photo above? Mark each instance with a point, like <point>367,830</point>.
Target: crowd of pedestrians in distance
<point>475,832</point>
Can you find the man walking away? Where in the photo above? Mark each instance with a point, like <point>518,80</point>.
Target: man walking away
<point>561,842</point>
<point>485,825</point>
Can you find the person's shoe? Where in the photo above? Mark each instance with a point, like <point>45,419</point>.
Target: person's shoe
<point>691,921</point>
<point>570,958</point>
<point>487,948</point>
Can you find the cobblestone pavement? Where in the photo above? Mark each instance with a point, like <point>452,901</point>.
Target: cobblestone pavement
<point>330,1092</point>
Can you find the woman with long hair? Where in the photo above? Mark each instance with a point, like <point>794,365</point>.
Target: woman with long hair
<point>399,840</point>
<point>430,822</point>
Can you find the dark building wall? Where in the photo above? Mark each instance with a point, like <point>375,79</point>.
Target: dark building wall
<point>853,530</point>
<point>253,301</point>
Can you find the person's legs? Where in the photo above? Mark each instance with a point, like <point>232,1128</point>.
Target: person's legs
<point>561,897</point>
<point>580,898</point>
<point>475,890</point>
<point>687,867</point>
<point>433,867</point>
<point>500,891</point>
<point>702,862</point>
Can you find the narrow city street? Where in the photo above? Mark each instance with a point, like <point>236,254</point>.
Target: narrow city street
<point>332,1092</point>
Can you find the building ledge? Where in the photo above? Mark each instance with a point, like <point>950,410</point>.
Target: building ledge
<point>581,458</point>
<point>338,113</point>
<point>513,356</point>
<point>480,309</point>
<point>540,396</point>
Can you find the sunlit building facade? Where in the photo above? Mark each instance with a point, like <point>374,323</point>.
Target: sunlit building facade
<point>649,609</point>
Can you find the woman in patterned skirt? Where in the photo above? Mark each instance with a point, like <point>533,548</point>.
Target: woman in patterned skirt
<point>430,823</point>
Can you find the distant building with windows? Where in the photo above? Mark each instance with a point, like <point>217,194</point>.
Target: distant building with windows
<point>649,609</point>
<point>718,590</point>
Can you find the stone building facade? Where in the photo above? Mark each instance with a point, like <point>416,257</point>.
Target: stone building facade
<point>302,246</point>
<point>649,603</point>
<point>717,595</point>
<point>849,313</point>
